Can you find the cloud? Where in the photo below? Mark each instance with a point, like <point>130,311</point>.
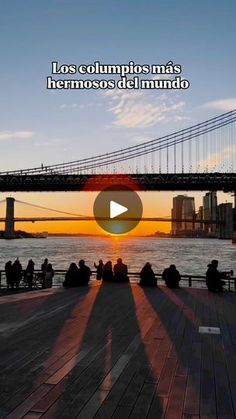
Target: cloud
<point>71,105</point>
<point>224,105</point>
<point>217,159</point>
<point>80,106</point>
<point>136,109</point>
<point>15,135</point>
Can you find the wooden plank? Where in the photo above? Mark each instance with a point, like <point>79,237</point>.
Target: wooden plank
<point>44,404</point>
<point>157,366</point>
<point>61,378</point>
<point>176,399</point>
<point>166,377</point>
<point>134,388</point>
<point>192,395</point>
<point>143,402</point>
<point>207,400</point>
<point>62,372</point>
<point>87,390</point>
<point>181,344</point>
<point>114,396</point>
<point>24,391</point>
<point>226,319</point>
<point>28,403</point>
<point>118,393</point>
<point>121,412</point>
<point>157,408</point>
<point>127,369</point>
<point>223,396</point>
<point>95,402</point>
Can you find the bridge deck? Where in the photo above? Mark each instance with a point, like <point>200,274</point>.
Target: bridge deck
<point>117,351</point>
<point>141,182</point>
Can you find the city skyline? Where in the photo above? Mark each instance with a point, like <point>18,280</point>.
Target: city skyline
<point>86,207</point>
<point>184,209</point>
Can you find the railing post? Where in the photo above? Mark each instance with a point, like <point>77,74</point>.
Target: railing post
<point>190,281</point>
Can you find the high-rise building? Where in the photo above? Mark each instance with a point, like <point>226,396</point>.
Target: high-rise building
<point>177,213</point>
<point>199,218</point>
<point>188,213</point>
<point>210,211</point>
<point>183,209</point>
<point>225,212</point>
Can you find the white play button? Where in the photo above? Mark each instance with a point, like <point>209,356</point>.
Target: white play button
<point>116,209</point>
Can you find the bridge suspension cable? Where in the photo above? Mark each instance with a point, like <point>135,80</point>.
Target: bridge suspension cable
<point>169,142</point>
<point>51,209</point>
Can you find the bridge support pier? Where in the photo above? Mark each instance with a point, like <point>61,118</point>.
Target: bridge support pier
<point>9,224</point>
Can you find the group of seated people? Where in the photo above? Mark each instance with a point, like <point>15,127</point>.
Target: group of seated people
<point>76,276</point>
<point>15,273</point>
<point>80,275</point>
<point>106,273</point>
<point>170,275</point>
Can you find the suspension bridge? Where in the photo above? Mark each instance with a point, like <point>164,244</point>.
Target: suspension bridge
<point>10,219</point>
<point>68,216</point>
<point>201,157</point>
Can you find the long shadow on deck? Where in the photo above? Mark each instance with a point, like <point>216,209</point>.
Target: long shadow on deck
<point>114,377</point>
<point>199,384</point>
<point>27,351</point>
<point>218,351</point>
<point>118,351</point>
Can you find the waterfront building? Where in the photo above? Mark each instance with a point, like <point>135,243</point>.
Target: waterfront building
<point>188,213</point>
<point>210,211</point>
<point>199,218</point>
<point>177,213</point>
<point>183,209</point>
<point>226,227</point>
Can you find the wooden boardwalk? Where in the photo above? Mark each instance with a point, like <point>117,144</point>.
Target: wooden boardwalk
<point>117,351</point>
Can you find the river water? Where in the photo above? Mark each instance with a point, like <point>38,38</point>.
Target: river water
<point>191,256</point>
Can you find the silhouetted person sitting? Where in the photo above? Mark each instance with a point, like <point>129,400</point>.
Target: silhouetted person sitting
<point>171,277</point>
<point>120,271</point>
<point>84,273</point>
<point>16,272</point>
<point>72,276</point>
<point>99,268</point>
<point>9,274</point>
<point>107,274</point>
<point>147,276</point>
<point>214,277</point>
<point>29,273</point>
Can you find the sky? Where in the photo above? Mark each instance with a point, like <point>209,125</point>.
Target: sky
<point>45,126</point>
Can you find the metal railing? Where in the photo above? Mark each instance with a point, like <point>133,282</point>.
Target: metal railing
<point>187,280</point>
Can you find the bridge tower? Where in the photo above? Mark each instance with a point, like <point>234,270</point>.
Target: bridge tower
<point>9,223</point>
